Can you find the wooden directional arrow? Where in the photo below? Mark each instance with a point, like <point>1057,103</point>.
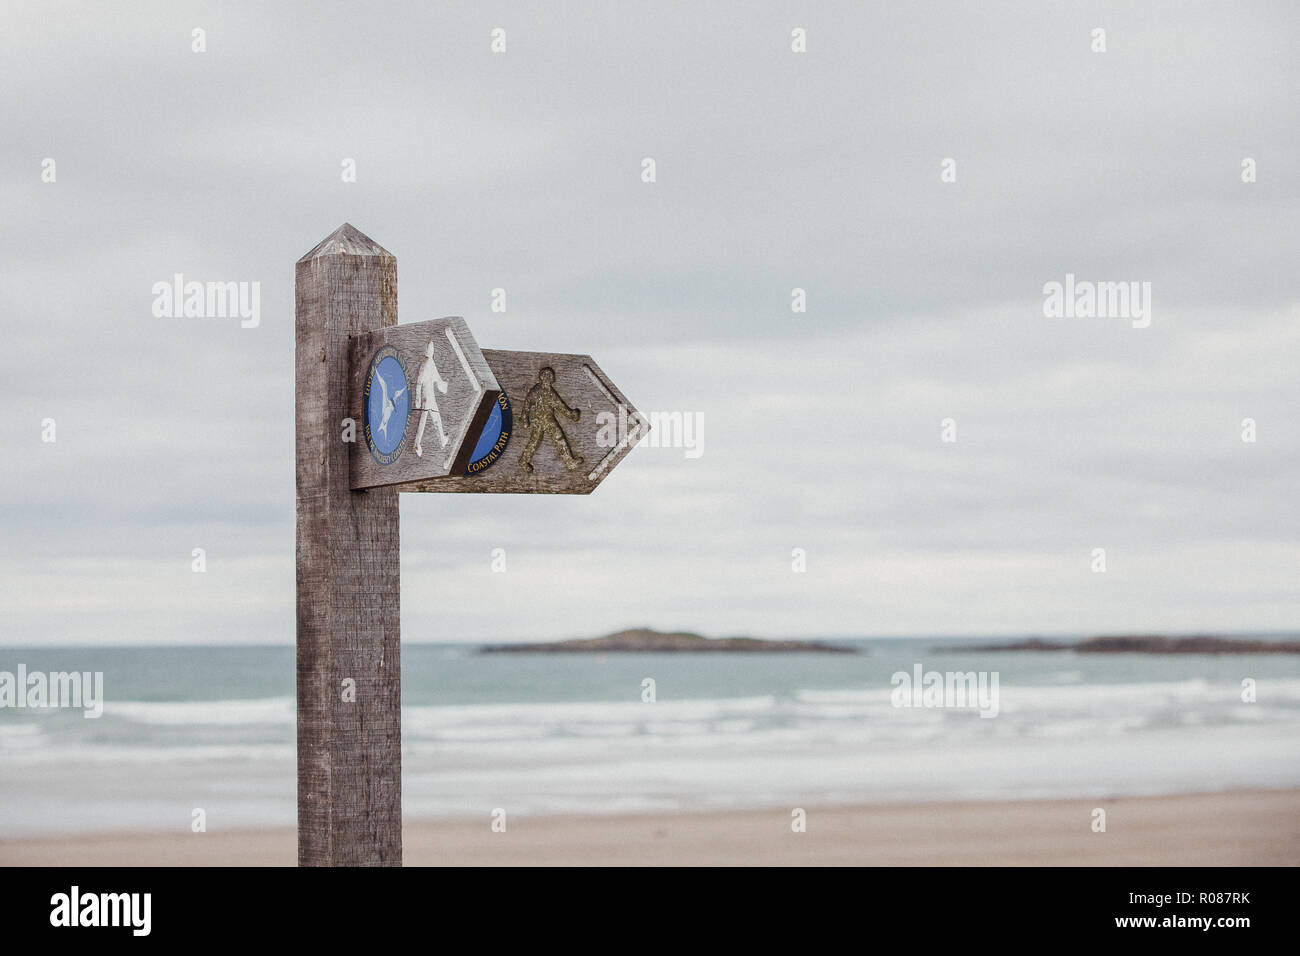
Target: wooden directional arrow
<point>422,393</point>
<point>560,426</point>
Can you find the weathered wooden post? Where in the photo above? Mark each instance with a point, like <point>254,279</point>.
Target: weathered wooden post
<point>381,409</point>
<point>349,752</point>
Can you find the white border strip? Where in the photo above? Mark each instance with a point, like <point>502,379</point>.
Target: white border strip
<point>473,404</point>
<point>633,434</point>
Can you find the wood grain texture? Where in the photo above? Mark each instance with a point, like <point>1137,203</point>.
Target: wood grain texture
<point>574,461</point>
<point>349,754</point>
<point>460,411</point>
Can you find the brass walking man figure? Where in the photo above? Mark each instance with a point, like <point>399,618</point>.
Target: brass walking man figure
<point>541,407</point>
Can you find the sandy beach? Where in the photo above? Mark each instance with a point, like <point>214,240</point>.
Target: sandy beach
<point>1252,828</point>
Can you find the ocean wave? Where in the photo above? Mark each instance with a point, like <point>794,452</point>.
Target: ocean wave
<point>215,713</point>
<point>1052,710</point>
<point>19,731</point>
<point>81,754</point>
<point>21,737</point>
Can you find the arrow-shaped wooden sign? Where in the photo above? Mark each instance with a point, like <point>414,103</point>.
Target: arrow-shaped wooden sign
<point>559,427</point>
<point>422,393</point>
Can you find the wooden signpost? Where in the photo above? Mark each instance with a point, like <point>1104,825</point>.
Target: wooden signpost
<point>383,408</point>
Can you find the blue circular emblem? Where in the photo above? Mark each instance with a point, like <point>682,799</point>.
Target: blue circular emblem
<point>494,437</point>
<point>385,404</point>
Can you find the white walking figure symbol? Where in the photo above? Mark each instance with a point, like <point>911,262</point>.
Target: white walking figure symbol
<point>425,383</point>
<point>387,405</point>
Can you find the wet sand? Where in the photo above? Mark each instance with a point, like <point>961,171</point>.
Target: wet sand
<point>1252,828</point>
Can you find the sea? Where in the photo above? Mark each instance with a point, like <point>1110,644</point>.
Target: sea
<point>213,729</point>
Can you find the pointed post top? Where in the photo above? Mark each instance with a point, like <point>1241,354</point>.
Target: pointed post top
<point>347,240</point>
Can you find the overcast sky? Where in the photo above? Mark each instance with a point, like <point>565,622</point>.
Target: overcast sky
<point>775,170</point>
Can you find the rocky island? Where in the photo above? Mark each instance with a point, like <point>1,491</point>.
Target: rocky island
<point>1144,644</point>
<point>642,640</point>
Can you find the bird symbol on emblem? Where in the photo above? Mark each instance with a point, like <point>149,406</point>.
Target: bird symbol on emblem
<point>388,405</point>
